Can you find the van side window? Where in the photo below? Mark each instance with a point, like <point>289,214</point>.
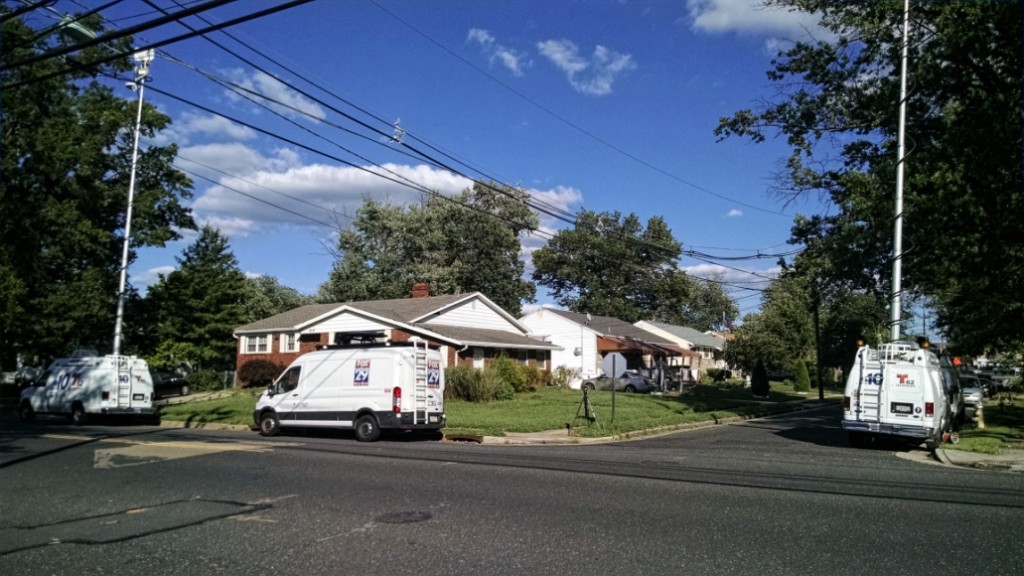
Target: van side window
<point>288,381</point>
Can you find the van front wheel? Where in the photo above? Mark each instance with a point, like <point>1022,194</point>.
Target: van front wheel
<point>269,424</point>
<point>367,429</point>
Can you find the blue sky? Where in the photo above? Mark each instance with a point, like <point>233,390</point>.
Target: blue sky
<point>597,105</point>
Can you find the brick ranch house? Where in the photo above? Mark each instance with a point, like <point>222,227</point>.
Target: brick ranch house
<point>468,329</point>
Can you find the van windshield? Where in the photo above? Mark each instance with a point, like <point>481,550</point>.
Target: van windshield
<point>288,381</point>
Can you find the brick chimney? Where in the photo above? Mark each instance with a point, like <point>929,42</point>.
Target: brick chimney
<point>420,290</point>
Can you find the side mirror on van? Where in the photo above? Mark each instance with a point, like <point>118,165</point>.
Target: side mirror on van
<point>270,391</point>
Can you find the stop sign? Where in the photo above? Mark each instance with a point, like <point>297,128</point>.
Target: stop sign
<point>614,364</point>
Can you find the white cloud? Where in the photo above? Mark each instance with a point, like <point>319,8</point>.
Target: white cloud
<point>750,17</point>
<point>593,76</point>
<point>313,195</point>
<point>509,58</point>
<point>272,91</point>
<point>735,213</point>
<point>190,124</point>
<point>212,160</point>
<point>750,278</point>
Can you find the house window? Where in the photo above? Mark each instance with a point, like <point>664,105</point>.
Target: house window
<point>542,359</point>
<point>523,356</point>
<point>256,344</point>
<point>478,357</point>
<point>289,342</point>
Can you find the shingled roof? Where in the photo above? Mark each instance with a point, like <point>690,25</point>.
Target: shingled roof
<point>609,326</point>
<point>404,310</point>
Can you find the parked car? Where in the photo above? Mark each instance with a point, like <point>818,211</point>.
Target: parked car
<point>974,396</point>
<point>169,384</point>
<point>970,380</point>
<point>630,381</point>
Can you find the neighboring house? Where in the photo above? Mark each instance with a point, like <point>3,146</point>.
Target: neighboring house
<point>584,340</point>
<point>468,328</point>
<point>708,345</point>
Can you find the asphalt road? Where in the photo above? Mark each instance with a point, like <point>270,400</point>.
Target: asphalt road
<point>776,496</point>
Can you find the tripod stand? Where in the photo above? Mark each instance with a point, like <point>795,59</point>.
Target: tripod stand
<point>586,408</point>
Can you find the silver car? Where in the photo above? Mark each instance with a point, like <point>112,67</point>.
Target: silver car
<point>630,381</point>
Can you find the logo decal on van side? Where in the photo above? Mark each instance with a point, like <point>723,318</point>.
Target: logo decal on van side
<point>433,374</point>
<point>904,380</point>
<point>361,376</point>
<point>874,379</point>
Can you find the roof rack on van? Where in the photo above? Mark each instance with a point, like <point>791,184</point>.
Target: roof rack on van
<point>369,340</point>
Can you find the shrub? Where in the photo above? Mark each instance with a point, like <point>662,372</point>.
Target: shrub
<point>258,373</point>
<point>535,378</point>
<point>759,384</point>
<point>563,376</point>
<point>803,379</point>
<point>508,371</point>
<point>461,382</point>
<point>206,380</point>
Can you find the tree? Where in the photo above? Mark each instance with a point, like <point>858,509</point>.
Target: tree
<point>801,379</point>
<point>266,296</point>
<point>611,265</point>
<point>781,332</point>
<point>466,243</point>
<point>65,156</point>
<point>195,309</point>
<point>964,192</point>
<point>760,387</point>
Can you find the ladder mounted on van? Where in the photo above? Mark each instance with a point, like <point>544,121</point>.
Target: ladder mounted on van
<point>419,414</point>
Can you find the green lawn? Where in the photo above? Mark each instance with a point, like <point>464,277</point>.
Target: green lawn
<point>1004,427</point>
<point>546,409</point>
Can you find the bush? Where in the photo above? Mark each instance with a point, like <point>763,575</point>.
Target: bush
<point>206,381</point>
<point>563,377</point>
<point>258,373</point>
<point>508,371</point>
<point>535,378</point>
<point>803,380</point>
<point>759,384</point>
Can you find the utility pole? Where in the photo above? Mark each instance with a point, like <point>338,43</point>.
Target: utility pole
<point>144,58</point>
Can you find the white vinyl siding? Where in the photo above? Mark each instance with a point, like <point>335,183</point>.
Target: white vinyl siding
<point>473,313</point>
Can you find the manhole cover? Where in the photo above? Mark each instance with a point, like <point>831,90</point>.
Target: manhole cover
<point>404,517</point>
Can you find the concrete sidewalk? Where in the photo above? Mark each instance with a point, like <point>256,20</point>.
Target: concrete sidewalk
<point>1010,460</point>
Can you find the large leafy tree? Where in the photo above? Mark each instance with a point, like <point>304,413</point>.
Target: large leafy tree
<point>964,195</point>
<point>65,160</point>
<point>612,265</point>
<point>266,296</point>
<point>465,243</point>
<point>194,310</point>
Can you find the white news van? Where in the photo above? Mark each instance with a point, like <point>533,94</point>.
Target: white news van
<point>364,387</point>
<point>902,390</point>
<point>84,385</point>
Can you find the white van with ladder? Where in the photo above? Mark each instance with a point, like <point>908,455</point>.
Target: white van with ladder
<point>86,384</point>
<point>900,389</point>
<point>366,387</point>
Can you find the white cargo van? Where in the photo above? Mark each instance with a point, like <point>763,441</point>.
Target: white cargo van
<point>86,384</point>
<point>364,387</point>
<point>900,390</point>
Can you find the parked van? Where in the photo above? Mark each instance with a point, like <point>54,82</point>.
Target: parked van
<point>901,390</point>
<point>363,387</point>
<point>87,384</point>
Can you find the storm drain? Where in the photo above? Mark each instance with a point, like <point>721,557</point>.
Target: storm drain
<point>404,517</point>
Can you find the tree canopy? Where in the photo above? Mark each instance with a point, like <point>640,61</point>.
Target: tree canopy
<point>612,265</point>
<point>465,243</point>
<point>65,156</point>
<point>837,106</point>
<point>193,311</point>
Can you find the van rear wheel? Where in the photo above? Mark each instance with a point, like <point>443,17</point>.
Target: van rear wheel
<point>367,429</point>
<point>77,414</point>
<point>269,424</point>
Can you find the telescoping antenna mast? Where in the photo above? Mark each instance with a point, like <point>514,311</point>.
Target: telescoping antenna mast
<point>897,246</point>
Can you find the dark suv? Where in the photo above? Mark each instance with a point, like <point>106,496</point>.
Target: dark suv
<point>168,384</point>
